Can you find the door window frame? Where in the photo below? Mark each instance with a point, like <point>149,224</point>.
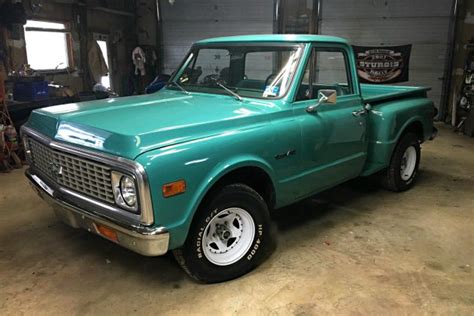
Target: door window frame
<point>349,70</point>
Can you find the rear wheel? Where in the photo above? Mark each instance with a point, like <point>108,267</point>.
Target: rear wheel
<point>403,169</point>
<point>229,236</point>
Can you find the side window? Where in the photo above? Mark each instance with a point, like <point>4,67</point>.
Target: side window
<point>326,69</point>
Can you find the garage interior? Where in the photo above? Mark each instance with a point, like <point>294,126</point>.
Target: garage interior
<point>353,249</point>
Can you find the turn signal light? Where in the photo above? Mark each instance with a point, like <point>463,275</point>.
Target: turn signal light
<point>174,188</point>
<point>107,232</point>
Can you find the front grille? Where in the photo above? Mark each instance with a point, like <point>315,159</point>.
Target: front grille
<point>72,172</point>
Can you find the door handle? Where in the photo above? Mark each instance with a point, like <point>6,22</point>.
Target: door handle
<point>359,113</point>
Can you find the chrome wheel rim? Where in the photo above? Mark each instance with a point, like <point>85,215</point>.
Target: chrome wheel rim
<point>407,166</point>
<point>228,236</point>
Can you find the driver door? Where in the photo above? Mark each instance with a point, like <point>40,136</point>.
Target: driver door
<point>333,137</point>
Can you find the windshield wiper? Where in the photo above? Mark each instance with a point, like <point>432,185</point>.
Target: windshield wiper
<point>235,94</point>
<point>174,83</point>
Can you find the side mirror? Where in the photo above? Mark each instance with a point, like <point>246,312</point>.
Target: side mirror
<point>325,96</point>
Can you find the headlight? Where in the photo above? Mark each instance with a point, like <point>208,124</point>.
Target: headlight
<point>128,190</point>
<point>125,191</point>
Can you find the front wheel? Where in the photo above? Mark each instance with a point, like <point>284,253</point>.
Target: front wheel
<point>403,169</point>
<point>230,235</point>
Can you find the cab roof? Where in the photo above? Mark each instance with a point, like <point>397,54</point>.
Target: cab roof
<point>289,38</point>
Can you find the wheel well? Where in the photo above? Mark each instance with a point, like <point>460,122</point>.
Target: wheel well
<point>254,177</point>
<point>416,128</point>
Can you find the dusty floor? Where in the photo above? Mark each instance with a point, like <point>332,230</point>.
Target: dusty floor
<point>353,250</point>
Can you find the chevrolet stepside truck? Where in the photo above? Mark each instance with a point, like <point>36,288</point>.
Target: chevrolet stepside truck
<point>246,125</point>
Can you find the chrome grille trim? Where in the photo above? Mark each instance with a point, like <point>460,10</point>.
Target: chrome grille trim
<point>72,172</point>
<point>145,215</point>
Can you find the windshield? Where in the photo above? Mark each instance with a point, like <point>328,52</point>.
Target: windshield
<point>257,71</point>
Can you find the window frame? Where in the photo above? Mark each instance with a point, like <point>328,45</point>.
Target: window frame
<point>299,45</point>
<point>310,59</point>
<point>66,31</point>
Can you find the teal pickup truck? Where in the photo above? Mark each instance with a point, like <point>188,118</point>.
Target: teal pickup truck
<point>246,125</point>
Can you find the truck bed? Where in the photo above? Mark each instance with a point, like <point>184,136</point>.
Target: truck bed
<point>372,93</point>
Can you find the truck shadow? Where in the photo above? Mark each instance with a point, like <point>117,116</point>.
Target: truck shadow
<point>317,214</point>
<point>323,211</point>
<point>320,207</point>
<point>147,271</point>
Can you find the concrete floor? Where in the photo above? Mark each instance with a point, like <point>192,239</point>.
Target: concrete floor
<point>355,250</point>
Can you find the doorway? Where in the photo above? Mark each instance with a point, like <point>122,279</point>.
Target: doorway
<point>105,80</point>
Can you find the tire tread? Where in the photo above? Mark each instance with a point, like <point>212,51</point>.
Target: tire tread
<point>231,188</point>
<point>389,176</point>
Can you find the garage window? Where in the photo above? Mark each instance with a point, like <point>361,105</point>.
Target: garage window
<point>47,45</point>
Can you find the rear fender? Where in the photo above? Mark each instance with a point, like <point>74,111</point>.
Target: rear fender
<point>386,124</point>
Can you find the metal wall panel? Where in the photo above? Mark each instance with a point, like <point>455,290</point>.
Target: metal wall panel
<point>422,23</point>
<point>385,8</point>
<point>187,21</point>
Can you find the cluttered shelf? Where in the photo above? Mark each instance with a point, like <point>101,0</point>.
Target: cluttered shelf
<point>18,97</point>
<point>20,110</point>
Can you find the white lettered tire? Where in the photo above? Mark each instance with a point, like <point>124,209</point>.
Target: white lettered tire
<point>230,235</point>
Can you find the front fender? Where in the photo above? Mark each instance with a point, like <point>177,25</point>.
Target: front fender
<point>231,164</point>
<point>201,164</point>
<point>217,173</point>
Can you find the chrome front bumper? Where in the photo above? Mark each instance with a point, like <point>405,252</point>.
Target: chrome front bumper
<point>141,239</point>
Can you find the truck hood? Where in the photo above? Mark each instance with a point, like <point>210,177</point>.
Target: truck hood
<point>130,126</point>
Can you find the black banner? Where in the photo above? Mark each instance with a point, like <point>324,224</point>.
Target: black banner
<point>388,64</point>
